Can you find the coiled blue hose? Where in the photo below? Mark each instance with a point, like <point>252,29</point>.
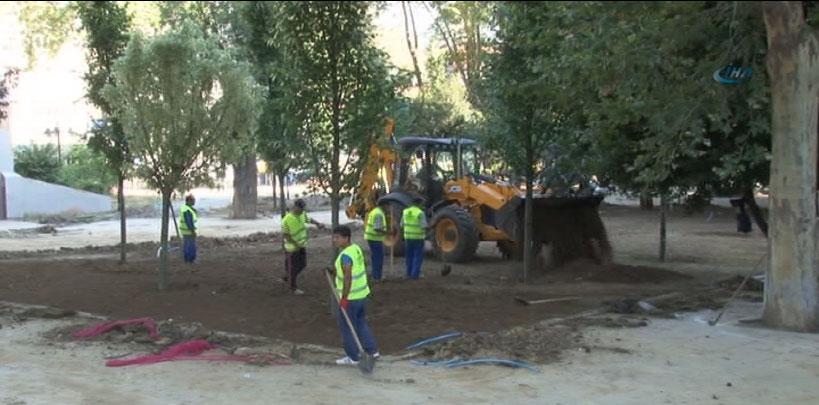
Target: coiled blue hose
<point>453,363</point>
<point>425,342</point>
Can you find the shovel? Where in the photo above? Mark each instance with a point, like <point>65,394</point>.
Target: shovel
<point>366,362</point>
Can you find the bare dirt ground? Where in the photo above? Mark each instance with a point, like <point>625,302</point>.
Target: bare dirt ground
<point>235,288</point>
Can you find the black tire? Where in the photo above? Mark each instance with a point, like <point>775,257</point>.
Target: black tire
<point>393,214</point>
<point>456,227</point>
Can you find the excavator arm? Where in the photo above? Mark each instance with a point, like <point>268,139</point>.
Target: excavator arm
<point>379,171</point>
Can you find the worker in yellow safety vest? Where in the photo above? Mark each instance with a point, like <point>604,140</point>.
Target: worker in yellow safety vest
<point>294,232</point>
<point>188,217</point>
<point>352,290</point>
<point>414,222</point>
<point>375,230</point>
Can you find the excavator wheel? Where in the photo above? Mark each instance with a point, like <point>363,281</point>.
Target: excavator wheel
<point>455,234</point>
<point>394,240</point>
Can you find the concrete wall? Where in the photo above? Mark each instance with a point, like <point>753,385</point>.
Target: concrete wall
<point>6,154</point>
<point>27,196</point>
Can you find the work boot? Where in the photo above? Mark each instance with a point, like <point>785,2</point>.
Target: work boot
<point>346,361</point>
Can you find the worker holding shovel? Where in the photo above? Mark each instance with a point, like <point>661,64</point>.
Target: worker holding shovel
<point>351,290</point>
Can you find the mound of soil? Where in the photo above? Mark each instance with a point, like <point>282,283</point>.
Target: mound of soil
<point>588,270</point>
<point>538,344</point>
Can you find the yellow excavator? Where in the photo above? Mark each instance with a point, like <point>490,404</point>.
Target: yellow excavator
<point>465,207</point>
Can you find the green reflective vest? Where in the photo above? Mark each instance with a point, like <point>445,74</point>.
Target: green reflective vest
<point>183,226</point>
<point>295,226</point>
<point>359,289</point>
<point>413,228</point>
<point>369,230</point>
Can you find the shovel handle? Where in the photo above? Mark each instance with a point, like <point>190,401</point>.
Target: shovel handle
<point>343,311</point>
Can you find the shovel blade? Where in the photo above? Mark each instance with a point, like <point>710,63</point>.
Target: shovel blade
<point>366,363</point>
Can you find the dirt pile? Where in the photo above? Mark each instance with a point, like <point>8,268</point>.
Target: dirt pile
<point>538,344</point>
<point>734,282</point>
<point>589,270</point>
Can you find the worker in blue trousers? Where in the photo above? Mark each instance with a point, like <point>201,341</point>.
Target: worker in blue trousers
<point>188,217</point>
<point>375,230</point>
<point>350,273</point>
<point>414,222</point>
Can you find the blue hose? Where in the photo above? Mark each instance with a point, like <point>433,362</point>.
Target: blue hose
<point>434,363</point>
<point>433,340</point>
<point>510,363</point>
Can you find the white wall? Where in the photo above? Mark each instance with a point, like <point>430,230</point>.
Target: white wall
<point>27,196</point>
<point>6,155</point>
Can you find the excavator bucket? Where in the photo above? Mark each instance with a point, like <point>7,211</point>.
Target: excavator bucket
<point>570,226</point>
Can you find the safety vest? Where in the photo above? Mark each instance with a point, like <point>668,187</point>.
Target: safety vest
<point>359,289</point>
<point>295,226</point>
<point>413,230</point>
<point>369,230</point>
<point>183,226</point>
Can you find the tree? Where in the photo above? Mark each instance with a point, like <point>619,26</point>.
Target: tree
<point>342,87</point>
<point>638,93</point>
<point>37,162</point>
<point>276,140</point>
<point>106,25</point>
<point>47,26</point>
<point>792,285</point>
<point>185,105</point>
<point>412,42</point>
<point>87,169</point>
<point>463,27</point>
<point>520,104</point>
<point>221,21</point>
<point>6,84</point>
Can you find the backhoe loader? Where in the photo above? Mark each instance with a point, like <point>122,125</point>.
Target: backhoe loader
<point>465,207</point>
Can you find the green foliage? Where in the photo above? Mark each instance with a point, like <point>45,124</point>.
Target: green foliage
<point>185,104</point>
<point>626,89</point>
<point>276,137</point>
<point>106,25</point>
<point>416,117</point>
<point>520,95</point>
<point>7,82</point>
<point>464,28</point>
<point>86,169</point>
<point>653,117</point>
<point>339,84</point>
<point>48,24</point>
<point>39,162</point>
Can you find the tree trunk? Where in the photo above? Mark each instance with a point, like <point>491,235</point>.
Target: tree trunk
<point>412,50</point>
<point>273,184</point>
<point>528,249</point>
<point>121,206</point>
<point>282,201</point>
<point>335,175</point>
<point>792,284</point>
<point>663,215</point>
<point>163,240</point>
<point>244,188</point>
<point>646,201</point>
<point>756,212</point>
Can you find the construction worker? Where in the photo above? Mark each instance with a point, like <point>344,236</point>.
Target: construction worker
<point>374,232</point>
<point>414,222</point>
<point>294,232</point>
<point>188,217</point>
<point>352,289</point>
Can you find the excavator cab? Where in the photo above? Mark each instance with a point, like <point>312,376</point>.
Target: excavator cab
<point>429,163</point>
